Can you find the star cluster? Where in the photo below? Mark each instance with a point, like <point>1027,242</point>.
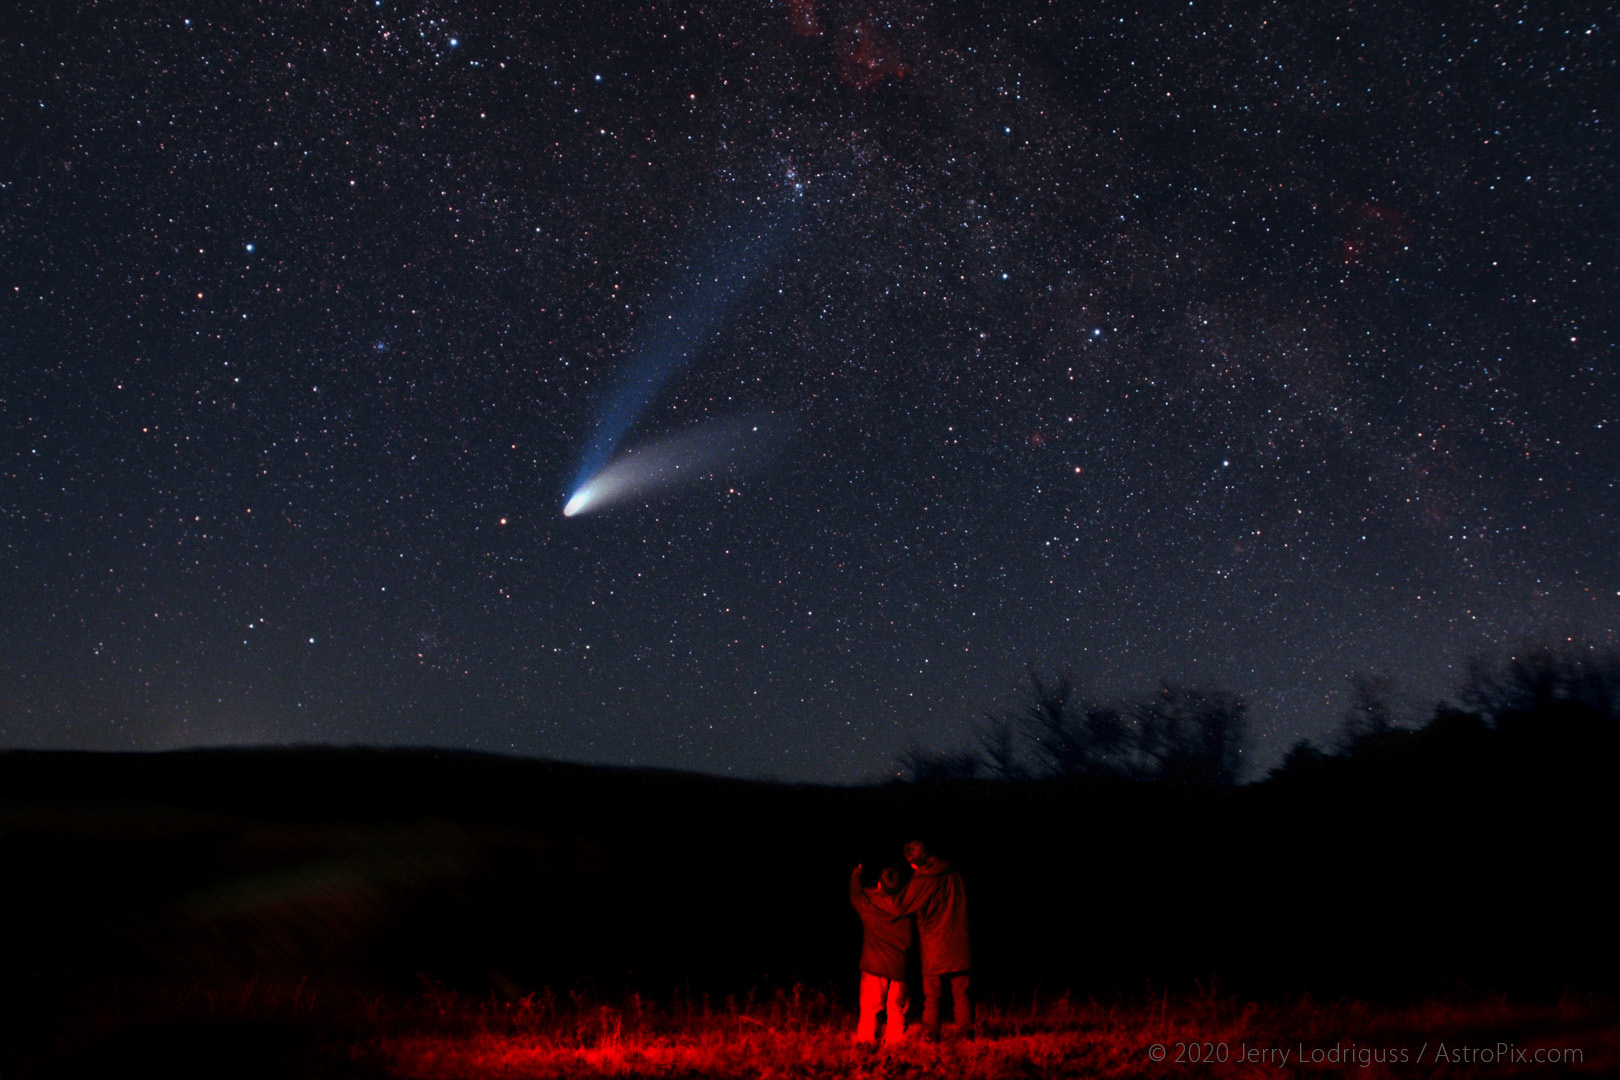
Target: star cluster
<point>1253,344</point>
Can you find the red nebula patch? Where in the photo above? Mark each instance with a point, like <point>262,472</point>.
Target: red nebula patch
<point>1369,233</point>
<point>803,18</point>
<point>866,57</point>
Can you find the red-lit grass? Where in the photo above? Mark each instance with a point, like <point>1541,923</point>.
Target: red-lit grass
<point>803,1035</point>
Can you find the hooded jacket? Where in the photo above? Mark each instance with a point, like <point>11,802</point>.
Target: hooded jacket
<point>936,897</point>
<point>887,937</point>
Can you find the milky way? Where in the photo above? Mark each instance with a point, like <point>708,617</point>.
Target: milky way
<point>1242,344</point>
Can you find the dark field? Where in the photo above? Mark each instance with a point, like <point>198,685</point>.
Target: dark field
<point>413,913</point>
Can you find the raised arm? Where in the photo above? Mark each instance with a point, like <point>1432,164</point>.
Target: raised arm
<point>910,900</point>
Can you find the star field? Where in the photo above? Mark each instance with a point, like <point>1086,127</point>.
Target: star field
<point>1247,343</point>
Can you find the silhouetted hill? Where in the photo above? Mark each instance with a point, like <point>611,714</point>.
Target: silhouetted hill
<point>1463,854</point>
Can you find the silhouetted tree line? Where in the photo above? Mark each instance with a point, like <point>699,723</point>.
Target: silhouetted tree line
<point>1192,734</point>
<point>1181,733</point>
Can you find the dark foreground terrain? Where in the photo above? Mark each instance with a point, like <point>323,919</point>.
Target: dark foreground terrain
<point>305,902</point>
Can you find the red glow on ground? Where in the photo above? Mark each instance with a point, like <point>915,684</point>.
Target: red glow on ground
<point>806,1034</point>
<point>1063,1038</point>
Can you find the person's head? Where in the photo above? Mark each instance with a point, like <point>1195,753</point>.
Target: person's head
<point>916,852</point>
<point>889,881</point>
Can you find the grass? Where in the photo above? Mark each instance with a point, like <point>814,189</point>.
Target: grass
<point>257,1029</point>
<point>802,1034</point>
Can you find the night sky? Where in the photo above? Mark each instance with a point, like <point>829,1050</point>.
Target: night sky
<point>1244,344</point>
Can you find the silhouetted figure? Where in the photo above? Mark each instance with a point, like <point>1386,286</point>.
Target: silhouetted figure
<point>936,898</point>
<point>885,941</point>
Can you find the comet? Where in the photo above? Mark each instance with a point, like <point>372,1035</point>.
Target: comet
<point>699,302</point>
<point>705,451</point>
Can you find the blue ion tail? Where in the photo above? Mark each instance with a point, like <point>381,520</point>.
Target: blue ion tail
<point>701,300</point>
